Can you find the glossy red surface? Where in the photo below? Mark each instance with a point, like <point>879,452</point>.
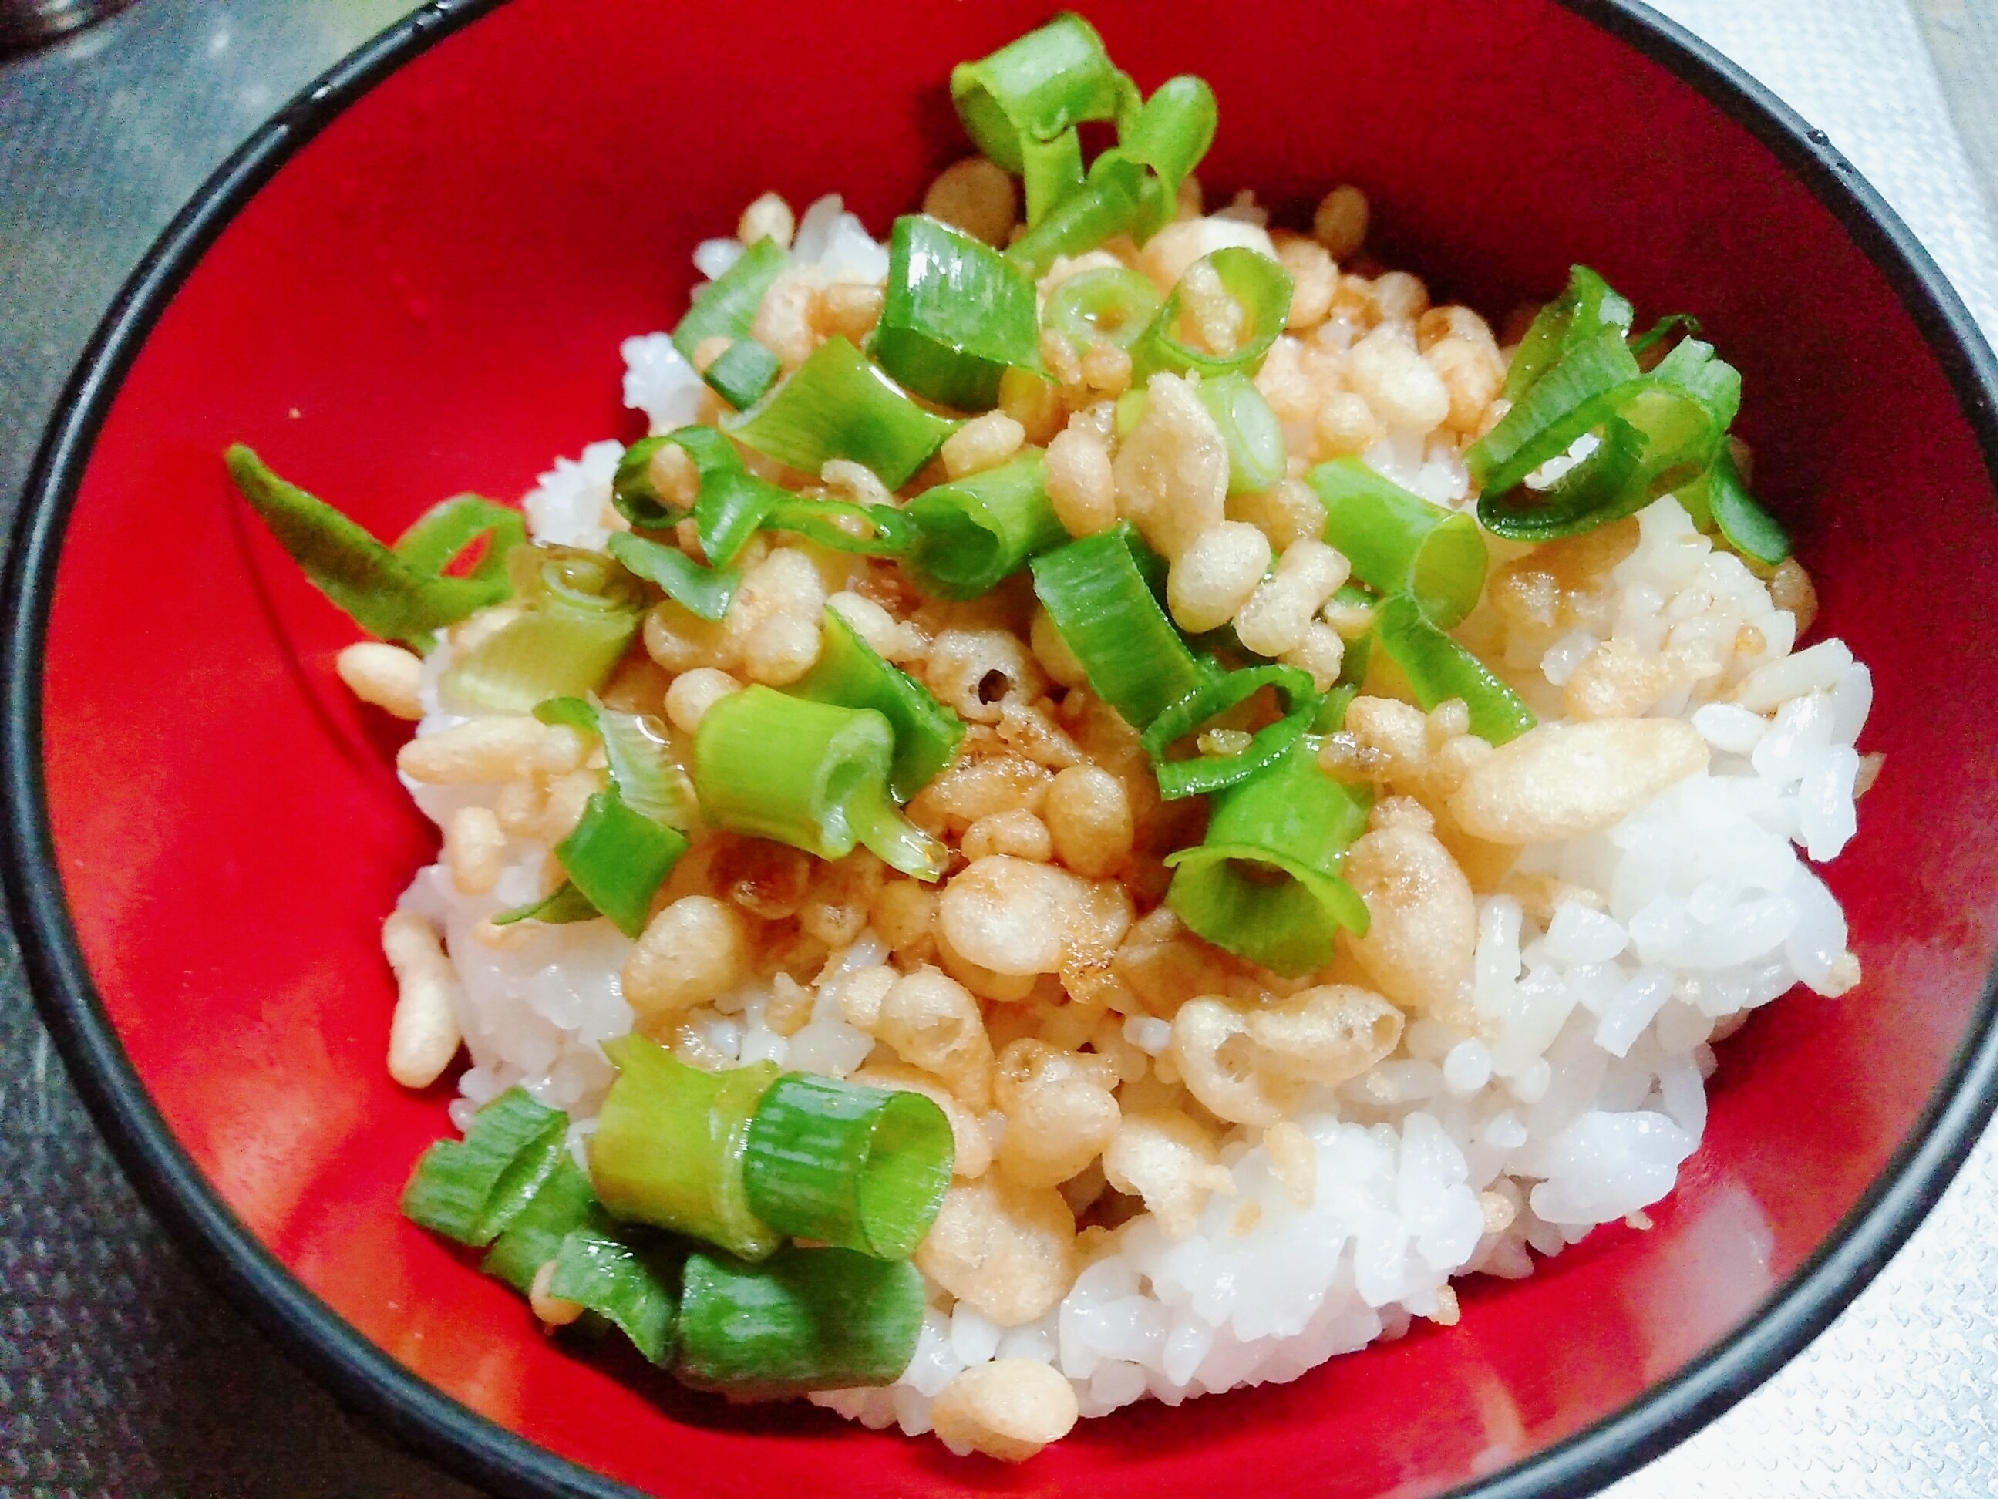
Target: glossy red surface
<point>429,299</point>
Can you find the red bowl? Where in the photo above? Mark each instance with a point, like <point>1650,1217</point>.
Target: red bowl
<point>413,282</point>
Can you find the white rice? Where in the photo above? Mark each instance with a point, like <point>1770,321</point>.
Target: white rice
<point>1576,1105</point>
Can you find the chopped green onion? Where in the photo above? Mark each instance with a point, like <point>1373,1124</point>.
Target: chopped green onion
<point>858,1168</point>
<point>839,526</point>
<point>1259,286</point>
<point>633,494</point>
<point>668,1146</point>
<point>617,859</point>
<point>805,1319</point>
<point>702,591</point>
<point>1565,402</point>
<point>1399,542</point>
<point>726,307</point>
<point>1586,311</point>
<point>1215,696</point>
<point>565,905</point>
<point>1051,170</point>
<point>442,534</point>
<point>1113,304</point>
<point>1117,191</point>
<point>581,612</point>
<point>1659,432</point>
<point>1108,614</point>
<point>1170,135</point>
<point>1256,457</point>
<point>1749,529</point>
<point>1035,88</point>
<point>1332,708</point>
<point>851,675</point>
<point>1265,884</point>
<point>470,1190</point>
<point>733,506</point>
<point>974,531</point>
<point>401,593</point>
<point>632,1288</point>
<point>957,315</point>
<point>808,774</point>
<point>564,1203</point>
<point>1440,669</point>
<point>837,405</point>
<point>1664,328</point>
<point>742,372</point>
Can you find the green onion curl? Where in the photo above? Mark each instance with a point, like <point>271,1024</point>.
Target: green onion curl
<point>804,1319</point>
<point>1259,286</point>
<point>668,1147</point>
<point>401,593</point>
<point>973,532</point>
<point>1096,592</point>
<point>1399,542</point>
<point>470,1190</point>
<point>1215,696</point>
<point>850,674</point>
<point>704,592</point>
<point>726,307</point>
<point>580,612</point>
<point>809,774</point>
<point>1112,303</point>
<point>742,373</point>
<point>838,405</point>
<point>1440,669</point>
<point>1265,883</point>
<point>1036,88</point>
<point>1256,457</point>
<point>956,317</point>
<point>859,1168</point>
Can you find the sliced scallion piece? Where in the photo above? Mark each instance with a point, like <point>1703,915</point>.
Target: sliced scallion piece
<point>1259,286</point>
<point>1584,312</point>
<point>633,494</point>
<point>470,1190</point>
<point>1097,595</point>
<point>1399,542</point>
<point>564,1203</point>
<point>632,1288</point>
<point>742,372</point>
<point>1169,135</point>
<point>804,1319</point>
<point>564,905</point>
<point>733,506</point>
<point>1035,88</point>
<point>1051,171</point>
<point>1440,669</point>
<point>974,531</point>
<point>1566,402</point>
<point>668,1146</point>
<point>618,859</point>
<point>1265,883</point>
<point>650,784</point>
<point>1256,457</point>
<point>957,315</point>
<point>850,674</point>
<point>840,526</point>
<point>838,405</point>
<point>702,591</point>
<point>1215,696</point>
<point>581,611</point>
<point>1749,529</point>
<point>726,307</point>
<point>1116,192</point>
<point>1113,304</point>
<point>855,1167</point>
<point>400,593</point>
<point>809,774</point>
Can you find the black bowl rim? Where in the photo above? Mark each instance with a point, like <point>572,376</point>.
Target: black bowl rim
<point>480,1450</point>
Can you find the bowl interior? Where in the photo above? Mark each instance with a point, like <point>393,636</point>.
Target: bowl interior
<point>429,298</point>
